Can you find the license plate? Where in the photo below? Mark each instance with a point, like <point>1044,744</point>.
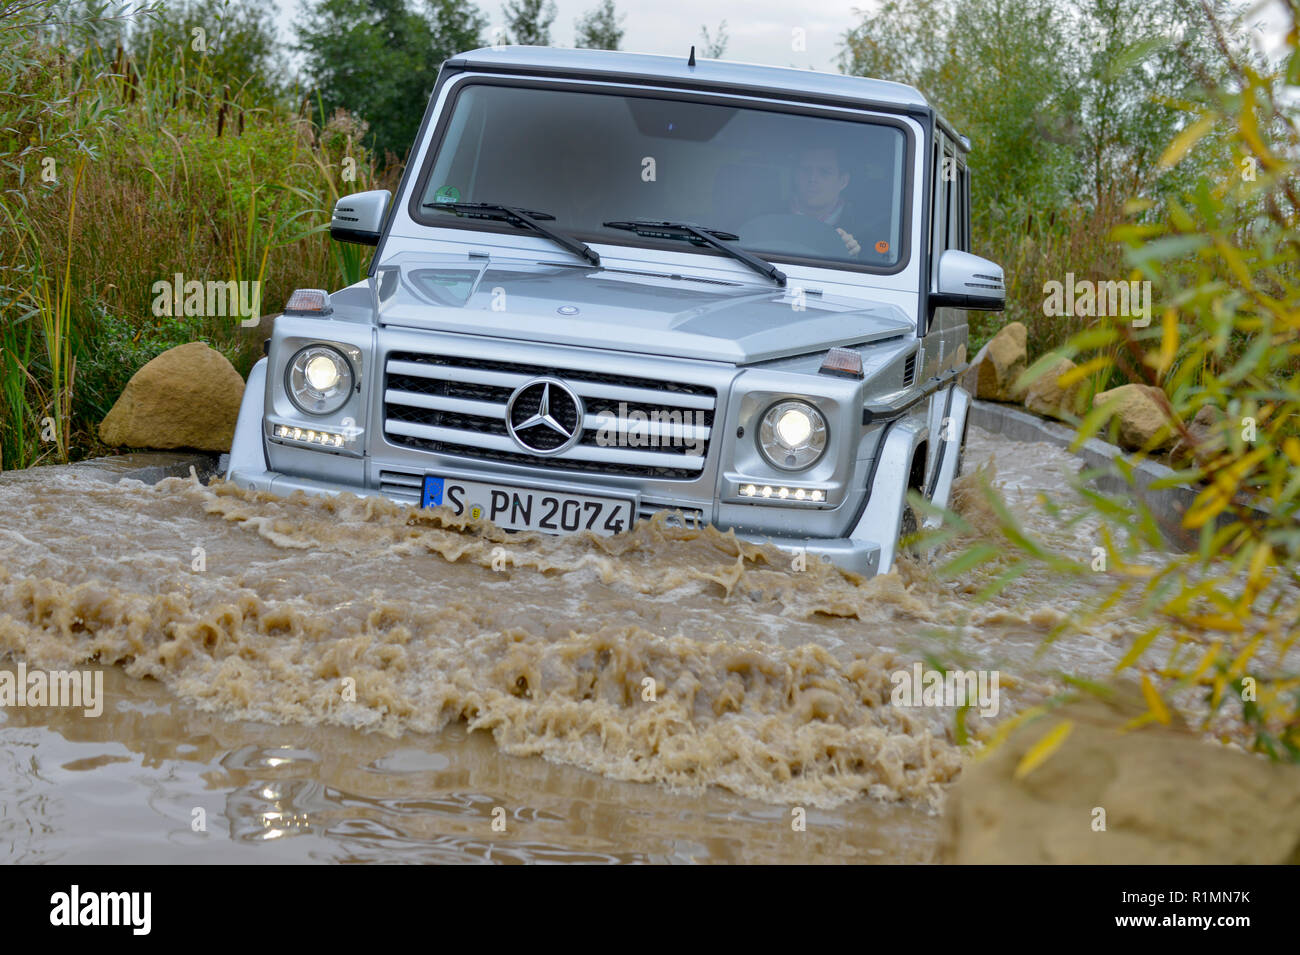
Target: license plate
<point>525,509</point>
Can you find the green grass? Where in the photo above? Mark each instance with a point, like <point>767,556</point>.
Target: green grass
<point>155,172</point>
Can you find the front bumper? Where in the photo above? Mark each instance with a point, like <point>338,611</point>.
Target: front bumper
<point>857,555</point>
<point>867,550</point>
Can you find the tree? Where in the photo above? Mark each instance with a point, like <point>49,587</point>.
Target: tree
<point>599,28</point>
<point>1144,56</point>
<point>715,46</point>
<point>992,68</point>
<point>220,44</point>
<point>380,58</point>
<point>1060,107</point>
<point>529,21</point>
<point>1066,110</point>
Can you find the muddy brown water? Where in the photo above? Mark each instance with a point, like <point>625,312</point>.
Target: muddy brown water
<point>352,680</point>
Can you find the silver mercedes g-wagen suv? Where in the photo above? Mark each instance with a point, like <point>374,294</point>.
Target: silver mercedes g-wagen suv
<point>615,284</point>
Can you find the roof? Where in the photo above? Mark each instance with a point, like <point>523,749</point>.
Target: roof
<point>706,73</point>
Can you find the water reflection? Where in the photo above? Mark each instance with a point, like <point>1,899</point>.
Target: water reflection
<point>126,786</point>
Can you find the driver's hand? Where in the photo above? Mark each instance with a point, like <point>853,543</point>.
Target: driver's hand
<point>850,243</point>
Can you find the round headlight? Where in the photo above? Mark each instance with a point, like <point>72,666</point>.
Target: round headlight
<point>319,380</point>
<point>792,435</point>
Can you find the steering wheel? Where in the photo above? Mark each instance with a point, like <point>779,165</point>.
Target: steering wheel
<point>794,234</point>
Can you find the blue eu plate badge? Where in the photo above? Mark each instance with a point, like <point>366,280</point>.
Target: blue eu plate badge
<point>432,492</point>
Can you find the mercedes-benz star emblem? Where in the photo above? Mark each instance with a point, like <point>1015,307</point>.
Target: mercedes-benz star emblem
<point>544,416</point>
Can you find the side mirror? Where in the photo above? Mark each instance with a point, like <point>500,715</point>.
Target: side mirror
<point>359,217</point>
<point>967,281</point>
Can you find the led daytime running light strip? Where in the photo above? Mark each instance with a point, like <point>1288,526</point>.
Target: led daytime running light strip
<point>326,439</point>
<point>769,492</point>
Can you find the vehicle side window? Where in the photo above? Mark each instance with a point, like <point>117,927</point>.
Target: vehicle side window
<point>966,214</point>
<point>952,189</point>
<point>938,210</point>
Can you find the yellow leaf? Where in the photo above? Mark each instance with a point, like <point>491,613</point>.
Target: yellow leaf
<point>1220,682</point>
<point>1239,665</point>
<point>1138,721</point>
<point>1218,495</point>
<point>1185,140</point>
<point>1157,705</point>
<point>1045,747</point>
<point>1210,656</point>
<point>1139,645</point>
<point>1005,728</point>
<point>1235,262</point>
<point>1169,343</point>
<point>1215,621</point>
<point>1080,372</point>
<point>1249,127</point>
<point>1258,564</point>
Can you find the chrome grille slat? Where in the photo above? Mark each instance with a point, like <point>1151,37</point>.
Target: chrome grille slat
<point>496,442</point>
<point>691,516</point>
<point>401,486</point>
<point>457,406</point>
<point>484,409</point>
<point>587,389</point>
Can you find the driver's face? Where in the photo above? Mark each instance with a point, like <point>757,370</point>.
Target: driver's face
<point>818,181</point>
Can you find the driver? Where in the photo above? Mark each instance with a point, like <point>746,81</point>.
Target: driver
<point>820,179</point>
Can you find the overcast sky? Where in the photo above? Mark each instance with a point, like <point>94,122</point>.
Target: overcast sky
<point>759,31</point>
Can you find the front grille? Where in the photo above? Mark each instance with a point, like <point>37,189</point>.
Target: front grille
<point>401,486</point>
<point>457,406</point>
<point>676,516</point>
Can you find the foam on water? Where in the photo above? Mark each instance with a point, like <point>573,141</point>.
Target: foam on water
<point>771,683</point>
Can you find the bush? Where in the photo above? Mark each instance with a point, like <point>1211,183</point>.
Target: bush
<point>1224,265</point>
<point>153,166</point>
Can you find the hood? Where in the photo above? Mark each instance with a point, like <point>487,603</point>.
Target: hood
<point>625,310</point>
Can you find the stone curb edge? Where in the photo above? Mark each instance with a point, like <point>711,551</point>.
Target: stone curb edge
<point>150,467</point>
<point>1167,504</point>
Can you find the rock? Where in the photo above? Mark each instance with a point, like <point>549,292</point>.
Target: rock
<point>1168,797</point>
<point>1046,397</point>
<point>1142,412</point>
<point>1000,362</point>
<point>187,397</point>
<point>1207,439</point>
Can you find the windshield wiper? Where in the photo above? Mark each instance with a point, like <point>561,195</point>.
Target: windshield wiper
<point>516,216</point>
<point>700,235</point>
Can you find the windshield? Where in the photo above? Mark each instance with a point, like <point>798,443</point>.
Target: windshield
<point>790,185</point>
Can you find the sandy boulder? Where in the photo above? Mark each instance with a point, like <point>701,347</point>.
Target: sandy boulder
<point>1045,396</point>
<point>994,370</point>
<point>1142,412</point>
<point>1157,795</point>
<point>1206,436</point>
<point>187,397</point>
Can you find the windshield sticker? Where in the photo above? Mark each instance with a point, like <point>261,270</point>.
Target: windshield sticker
<point>447,194</point>
<point>882,246</point>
